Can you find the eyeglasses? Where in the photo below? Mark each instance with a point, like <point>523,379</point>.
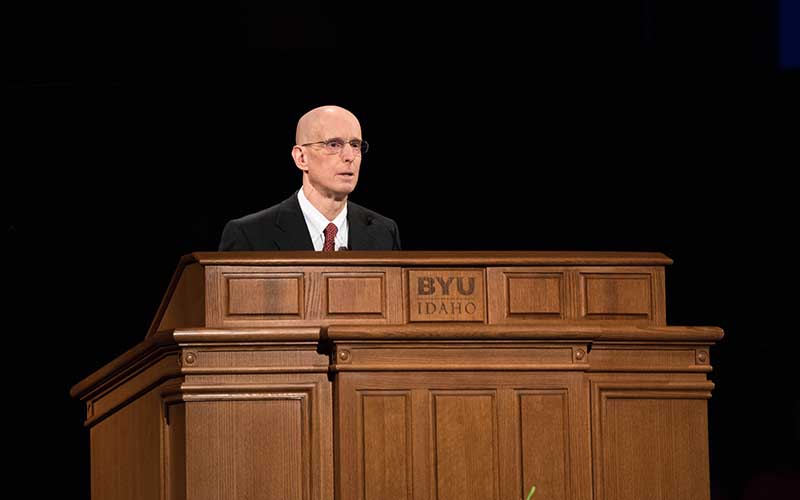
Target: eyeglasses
<point>336,145</point>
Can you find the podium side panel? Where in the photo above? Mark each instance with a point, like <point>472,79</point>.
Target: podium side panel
<point>126,452</point>
<point>651,439</point>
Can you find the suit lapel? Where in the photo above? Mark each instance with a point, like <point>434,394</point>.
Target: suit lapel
<point>360,236</point>
<point>292,229</point>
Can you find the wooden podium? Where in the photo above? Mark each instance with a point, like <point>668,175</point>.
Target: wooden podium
<point>407,375</point>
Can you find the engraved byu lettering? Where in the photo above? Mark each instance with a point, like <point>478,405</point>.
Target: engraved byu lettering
<point>446,295</point>
<point>426,286</point>
<point>460,284</point>
<point>445,284</point>
<point>442,308</point>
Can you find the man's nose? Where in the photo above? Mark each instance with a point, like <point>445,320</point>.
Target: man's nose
<point>348,152</point>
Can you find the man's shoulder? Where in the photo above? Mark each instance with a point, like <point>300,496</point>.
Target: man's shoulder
<point>367,215</point>
<point>273,228</point>
<point>370,230</point>
<point>266,216</point>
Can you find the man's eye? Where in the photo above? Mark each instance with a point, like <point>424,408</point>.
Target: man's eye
<point>336,144</point>
<point>355,144</point>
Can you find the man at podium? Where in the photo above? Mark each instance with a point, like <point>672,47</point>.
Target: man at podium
<point>328,151</point>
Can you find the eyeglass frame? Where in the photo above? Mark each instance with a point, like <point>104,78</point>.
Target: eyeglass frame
<point>363,146</point>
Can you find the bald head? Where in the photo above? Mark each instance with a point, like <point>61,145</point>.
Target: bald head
<point>325,122</point>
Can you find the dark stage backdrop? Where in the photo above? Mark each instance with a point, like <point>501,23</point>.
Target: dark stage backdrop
<point>134,132</point>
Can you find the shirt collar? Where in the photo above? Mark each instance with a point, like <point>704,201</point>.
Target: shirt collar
<point>315,220</point>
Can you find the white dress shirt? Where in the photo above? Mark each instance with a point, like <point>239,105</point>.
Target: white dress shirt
<point>317,223</point>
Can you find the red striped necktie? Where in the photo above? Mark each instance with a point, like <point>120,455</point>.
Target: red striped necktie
<point>330,237</point>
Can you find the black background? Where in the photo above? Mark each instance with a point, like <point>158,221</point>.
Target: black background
<point>135,131</point>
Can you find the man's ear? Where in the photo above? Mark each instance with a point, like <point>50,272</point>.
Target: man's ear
<point>299,157</point>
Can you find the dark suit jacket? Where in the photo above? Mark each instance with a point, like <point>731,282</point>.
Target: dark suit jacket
<point>282,227</point>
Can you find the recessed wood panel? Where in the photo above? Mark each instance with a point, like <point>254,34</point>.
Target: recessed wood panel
<point>255,449</point>
<point>471,431</point>
<point>329,294</point>
<point>386,421</point>
<point>265,295</point>
<point>356,295</point>
<point>544,438</point>
<point>533,295</point>
<point>616,296</point>
<point>465,446</point>
<point>652,447</point>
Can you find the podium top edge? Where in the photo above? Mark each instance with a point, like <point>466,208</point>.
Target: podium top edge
<point>429,258</point>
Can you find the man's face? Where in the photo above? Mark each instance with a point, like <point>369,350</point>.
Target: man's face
<point>334,175</point>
